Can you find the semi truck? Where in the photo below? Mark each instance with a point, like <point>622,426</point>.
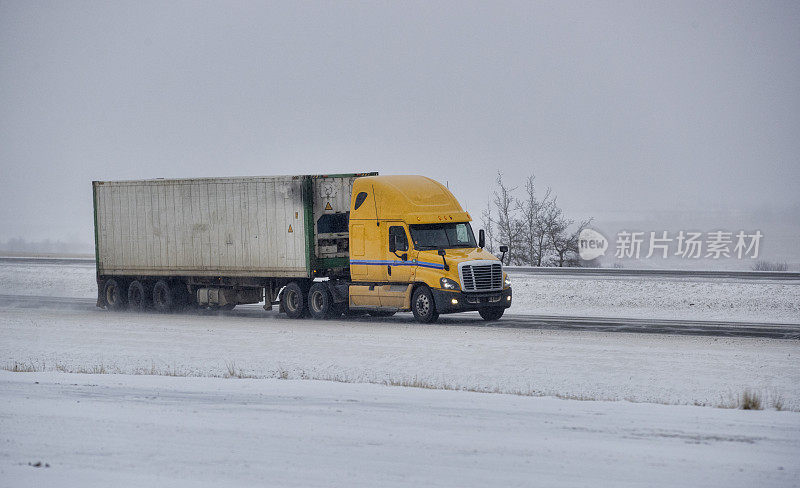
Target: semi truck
<point>318,245</point>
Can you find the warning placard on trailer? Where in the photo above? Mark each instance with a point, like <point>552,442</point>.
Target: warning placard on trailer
<point>328,206</point>
<point>290,228</point>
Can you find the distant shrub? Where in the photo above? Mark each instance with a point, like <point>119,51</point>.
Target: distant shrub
<point>750,401</point>
<point>762,265</point>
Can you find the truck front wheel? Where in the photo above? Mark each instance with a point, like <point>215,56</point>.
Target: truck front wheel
<point>293,300</point>
<point>423,306</point>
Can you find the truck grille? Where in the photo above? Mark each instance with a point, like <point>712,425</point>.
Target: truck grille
<point>482,278</point>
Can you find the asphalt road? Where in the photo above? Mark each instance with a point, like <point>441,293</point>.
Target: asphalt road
<point>545,322</point>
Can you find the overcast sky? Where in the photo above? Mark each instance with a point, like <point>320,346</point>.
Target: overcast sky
<point>620,107</point>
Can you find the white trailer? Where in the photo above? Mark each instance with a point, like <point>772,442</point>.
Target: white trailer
<point>226,238</point>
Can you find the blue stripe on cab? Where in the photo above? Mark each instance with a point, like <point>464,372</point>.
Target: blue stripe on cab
<point>370,262</point>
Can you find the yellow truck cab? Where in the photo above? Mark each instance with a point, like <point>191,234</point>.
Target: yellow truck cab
<point>412,249</point>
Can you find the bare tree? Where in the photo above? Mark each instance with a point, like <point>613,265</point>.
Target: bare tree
<point>534,229</point>
<point>488,226</point>
<point>507,224</point>
<point>564,242</point>
<point>534,233</point>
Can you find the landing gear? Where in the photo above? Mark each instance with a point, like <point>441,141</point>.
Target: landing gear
<point>423,306</point>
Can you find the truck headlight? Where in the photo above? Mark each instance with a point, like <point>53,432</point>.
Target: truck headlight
<point>506,281</point>
<point>448,284</point>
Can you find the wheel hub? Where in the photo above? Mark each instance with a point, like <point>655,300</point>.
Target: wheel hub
<point>423,305</point>
<point>292,301</point>
<point>316,301</point>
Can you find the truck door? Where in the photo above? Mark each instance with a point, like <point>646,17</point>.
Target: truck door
<point>399,272</point>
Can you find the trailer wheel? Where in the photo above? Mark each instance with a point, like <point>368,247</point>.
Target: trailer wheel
<point>423,306</point>
<point>116,298</point>
<point>320,301</point>
<point>293,300</point>
<point>163,297</point>
<point>139,297</point>
<point>489,314</point>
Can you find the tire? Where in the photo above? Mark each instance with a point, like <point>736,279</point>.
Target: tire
<point>381,313</point>
<point>320,301</point>
<point>163,297</point>
<point>423,306</point>
<point>115,296</point>
<point>489,314</point>
<point>139,296</point>
<point>293,300</point>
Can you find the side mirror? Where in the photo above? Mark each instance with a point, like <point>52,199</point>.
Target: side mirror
<point>481,239</point>
<point>441,253</point>
<point>503,249</point>
<point>392,243</point>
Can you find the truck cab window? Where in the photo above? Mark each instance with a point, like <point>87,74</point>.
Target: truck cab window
<point>399,234</point>
<point>360,199</point>
<point>442,236</point>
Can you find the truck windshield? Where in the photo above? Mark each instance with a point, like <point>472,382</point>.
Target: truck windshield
<point>441,236</point>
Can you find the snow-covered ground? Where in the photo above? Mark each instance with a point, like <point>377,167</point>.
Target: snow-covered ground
<point>46,279</point>
<point>113,430</point>
<point>664,298</point>
<point>276,427</point>
<point>696,299</point>
<point>451,354</point>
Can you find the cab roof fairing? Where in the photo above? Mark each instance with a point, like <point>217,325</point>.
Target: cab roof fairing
<point>412,199</point>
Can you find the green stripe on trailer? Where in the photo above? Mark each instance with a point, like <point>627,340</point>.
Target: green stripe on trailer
<point>308,221</point>
<point>96,240</point>
<point>330,263</point>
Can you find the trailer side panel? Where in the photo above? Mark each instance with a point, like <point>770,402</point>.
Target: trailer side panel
<point>231,227</point>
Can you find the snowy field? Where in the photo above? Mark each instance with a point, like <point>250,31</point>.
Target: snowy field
<point>113,430</point>
<point>57,280</point>
<point>665,298</point>
<point>606,366</point>
<point>228,399</point>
